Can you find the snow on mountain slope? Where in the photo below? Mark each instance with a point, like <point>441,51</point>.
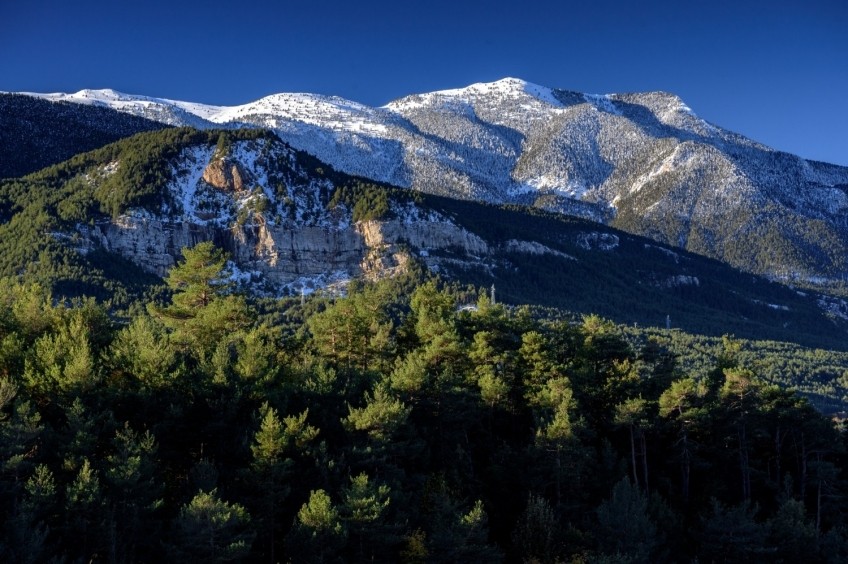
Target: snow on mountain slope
<point>643,161</point>
<point>170,112</point>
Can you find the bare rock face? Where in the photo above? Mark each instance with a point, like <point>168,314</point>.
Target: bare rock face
<point>153,244</point>
<point>282,254</point>
<point>423,235</point>
<point>225,175</point>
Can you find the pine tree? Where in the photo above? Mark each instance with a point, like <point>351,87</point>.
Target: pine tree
<point>83,511</point>
<point>625,526</point>
<point>271,467</point>
<point>318,534</point>
<point>209,529</point>
<point>133,493</point>
<point>202,311</point>
<point>364,509</point>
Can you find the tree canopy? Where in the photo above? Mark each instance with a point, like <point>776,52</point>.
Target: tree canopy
<point>391,425</point>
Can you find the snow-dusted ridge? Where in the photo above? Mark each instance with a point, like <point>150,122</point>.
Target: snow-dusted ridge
<point>643,161</point>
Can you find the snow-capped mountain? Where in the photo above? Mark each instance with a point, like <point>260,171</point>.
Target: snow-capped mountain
<point>643,162</point>
<point>104,222</point>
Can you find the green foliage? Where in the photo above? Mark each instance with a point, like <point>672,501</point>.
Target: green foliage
<point>369,201</point>
<point>365,508</point>
<point>209,529</point>
<point>381,416</point>
<point>142,350</point>
<point>318,533</point>
<point>624,525</point>
<point>198,278</point>
<point>390,426</point>
<point>202,312</point>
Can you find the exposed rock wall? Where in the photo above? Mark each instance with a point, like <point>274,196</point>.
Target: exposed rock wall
<point>283,253</point>
<point>422,234</point>
<point>153,244</point>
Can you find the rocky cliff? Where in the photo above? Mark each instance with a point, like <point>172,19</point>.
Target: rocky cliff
<point>290,256</point>
<point>255,200</point>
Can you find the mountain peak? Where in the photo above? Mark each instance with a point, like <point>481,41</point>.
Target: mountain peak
<point>100,93</point>
<point>90,96</point>
<point>505,88</point>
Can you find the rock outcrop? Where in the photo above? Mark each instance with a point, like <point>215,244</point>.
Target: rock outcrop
<point>225,175</point>
<point>284,254</point>
<point>293,236</point>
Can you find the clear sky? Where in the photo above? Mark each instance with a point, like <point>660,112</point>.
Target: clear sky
<point>776,71</point>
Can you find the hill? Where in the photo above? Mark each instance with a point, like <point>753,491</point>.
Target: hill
<point>293,225</point>
<point>35,133</point>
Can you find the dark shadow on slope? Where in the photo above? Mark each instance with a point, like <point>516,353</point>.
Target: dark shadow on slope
<point>37,133</point>
<point>636,281</point>
<point>647,121</point>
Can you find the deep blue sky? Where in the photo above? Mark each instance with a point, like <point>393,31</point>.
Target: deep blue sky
<point>775,71</point>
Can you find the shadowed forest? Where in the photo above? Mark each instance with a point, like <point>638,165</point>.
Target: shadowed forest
<point>392,425</point>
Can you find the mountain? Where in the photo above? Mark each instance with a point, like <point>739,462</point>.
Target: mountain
<point>35,133</point>
<point>108,223</point>
<point>644,163</point>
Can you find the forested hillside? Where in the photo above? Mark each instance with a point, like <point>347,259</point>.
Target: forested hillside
<point>97,224</point>
<point>35,133</point>
<point>394,425</point>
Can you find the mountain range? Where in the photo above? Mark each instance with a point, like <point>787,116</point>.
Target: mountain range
<point>643,162</point>
<point>600,204</point>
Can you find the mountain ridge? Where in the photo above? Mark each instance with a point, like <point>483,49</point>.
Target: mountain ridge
<point>106,221</point>
<point>642,162</point>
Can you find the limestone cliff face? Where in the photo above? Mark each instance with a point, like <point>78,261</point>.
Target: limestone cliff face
<point>422,234</point>
<point>284,254</point>
<point>152,243</point>
<point>273,216</point>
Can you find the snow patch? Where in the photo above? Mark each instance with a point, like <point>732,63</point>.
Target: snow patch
<point>570,188</point>
<point>667,252</point>
<point>602,103</point>
<point>595,240</point>
<point>679,280</point>
<point>834,307</point>
<point>533,248</point>
<point>333,282</point>
<point>186,178</point>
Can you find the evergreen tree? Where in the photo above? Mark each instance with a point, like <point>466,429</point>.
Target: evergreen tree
<point>318,534</point>
<point>272,447</point>
<point>683,402</point>
<point>83,510</point>
<point>209,529</point>
<point>133,494</point>
<point>731,534</point>
<point>202,311</point>
<point>364,509</point>
<point>625,526</point>
<point>537,534</point>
